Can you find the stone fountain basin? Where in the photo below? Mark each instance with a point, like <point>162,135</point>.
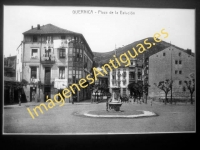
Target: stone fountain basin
<point>115,105</point>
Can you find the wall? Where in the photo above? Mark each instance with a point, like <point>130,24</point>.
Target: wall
<point>160,69</point>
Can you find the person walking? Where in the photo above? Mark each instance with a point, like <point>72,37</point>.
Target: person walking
<point>92,97</point>
<point>73,98</point>
<point>19,99</point>
<point>108,99</point>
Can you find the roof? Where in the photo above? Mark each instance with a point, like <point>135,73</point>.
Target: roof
<point>49,29</point>
<point>178,48</point>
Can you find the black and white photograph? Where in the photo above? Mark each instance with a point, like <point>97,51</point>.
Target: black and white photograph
<point>82,70</point>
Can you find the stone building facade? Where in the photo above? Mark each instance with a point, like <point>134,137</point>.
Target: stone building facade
<point>19,57</point>
<point>121,77</point>
<point>54,58</point>
<point>171,63</point>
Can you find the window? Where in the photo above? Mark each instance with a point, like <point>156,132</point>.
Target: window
<point>34,72</point>
<point>62,53</point>
<point>70,59</point>
<point>70,74</point>
<point>62,73</point>
<point>180,72</point>
<point>180,82</point>
<point>179,54</point>
<point>49,39</point>
<point>81,55</point>
<point>124,74</point>
<point>163,54</point>
<point>34,53</point>
<point>139,75</point>
<point>180,62</point>
<point>132,75</point>
<point>124,82</point>
<point>63,37</point>
<point>35,39</point>
<point>70,51</point>
<point>176,61</point>
<point>47,52</point>
<point>176,71</point>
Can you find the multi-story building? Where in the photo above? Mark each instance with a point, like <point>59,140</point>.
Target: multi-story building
<point>172,63</point>
<point>53,58</point>
<point>121,77</point>
<point>19,62</point>
<point>10,66</point>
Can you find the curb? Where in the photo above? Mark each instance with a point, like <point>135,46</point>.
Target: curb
<point>145,114</point>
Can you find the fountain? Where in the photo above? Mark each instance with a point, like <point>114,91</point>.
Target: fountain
<point>115,102</point>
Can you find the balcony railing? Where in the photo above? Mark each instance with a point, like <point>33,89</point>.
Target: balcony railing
<point>48,59</point>
<point>130,78</point>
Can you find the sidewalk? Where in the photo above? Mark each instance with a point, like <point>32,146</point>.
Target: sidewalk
<point>28,104</point>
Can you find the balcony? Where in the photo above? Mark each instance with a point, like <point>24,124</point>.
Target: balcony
<point>131,79</point>
<point>48,59</point>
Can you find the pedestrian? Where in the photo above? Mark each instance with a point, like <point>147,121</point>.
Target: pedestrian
<point>73,98</point>
<point>92,97</point>
<point>107,101</point>
<point>19,99</point>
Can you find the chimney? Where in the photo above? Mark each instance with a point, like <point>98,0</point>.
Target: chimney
<point>38,27</point>
<point>189,51</point>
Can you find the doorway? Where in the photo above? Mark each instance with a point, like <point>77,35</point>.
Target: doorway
<point>47,75</point>
<point>32,94</point>
<point>47,92</point>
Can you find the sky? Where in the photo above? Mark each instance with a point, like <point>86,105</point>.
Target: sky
<point>103,31</point>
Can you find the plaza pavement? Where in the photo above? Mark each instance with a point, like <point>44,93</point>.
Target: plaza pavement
<point>70,119</point>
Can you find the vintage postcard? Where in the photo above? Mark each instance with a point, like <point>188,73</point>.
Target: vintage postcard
<point>98,70</point>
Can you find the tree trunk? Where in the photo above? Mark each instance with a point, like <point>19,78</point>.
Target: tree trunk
<point>165,98</point>
<point>146,99</point>
<point>191,98</point>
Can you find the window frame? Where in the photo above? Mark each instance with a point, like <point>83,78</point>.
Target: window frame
<point>63,72</point>
<point>63,37</point>
<point>36,53</point>
<point>32,67</point>
<point>35,38</point>
<point>62,51</point>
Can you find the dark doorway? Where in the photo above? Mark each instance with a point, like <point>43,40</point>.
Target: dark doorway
<point>47,92</point>
<point>60,91</point>
<point>32,94</point>
<point>47,75</point>
<point>6,95</point>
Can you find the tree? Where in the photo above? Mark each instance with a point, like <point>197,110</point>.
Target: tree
<point>190,84</point>
<point>103,87</point>
<point>165,86</point>
<point>145,90</point>
<point>137,89</point>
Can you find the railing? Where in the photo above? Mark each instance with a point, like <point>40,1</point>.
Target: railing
<point>48,59</point>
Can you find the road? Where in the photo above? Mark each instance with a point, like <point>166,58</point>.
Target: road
<point>61,120</point>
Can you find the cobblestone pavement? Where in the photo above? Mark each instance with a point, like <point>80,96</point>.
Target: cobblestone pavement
<point>62,120</point>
